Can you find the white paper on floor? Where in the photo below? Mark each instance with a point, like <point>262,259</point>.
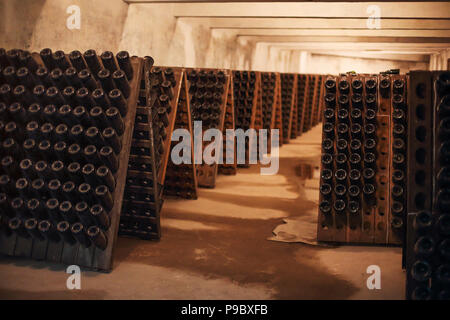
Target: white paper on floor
<point>302,228</point>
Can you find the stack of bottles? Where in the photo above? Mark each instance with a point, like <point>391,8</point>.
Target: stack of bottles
<point>207,92</point>
<point>355,188</point>
<point>61,128</point>
<point>309,102</point>
<point>428,236</point>
<point>288,91</point>
<point>143,194</point>
<point>302,85</point>
<point>229,165</point>
<point>181,179</point>
<point>245,100</point>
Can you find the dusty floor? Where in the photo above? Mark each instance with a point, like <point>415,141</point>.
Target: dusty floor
<point>217,247</point>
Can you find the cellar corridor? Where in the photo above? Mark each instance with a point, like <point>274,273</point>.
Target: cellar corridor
<point>217,247</point>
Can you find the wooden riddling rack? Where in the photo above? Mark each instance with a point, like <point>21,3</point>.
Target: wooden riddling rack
<point>288,107</point>
<point>322,98</point>
<point>208,92</point>
<point>247,102</point>
<point>278,111</point>
<point>318,101</point>
<point>270,82</point>
<point>155,119</point>
<point>302,87</point>
<point>54,98</point>
<point>226,167</point>
<point>310,93</point>
<point>294,121</point>
<point>428,223</point>
<point>181,179</point>
<point>258,124</point>
<point>311,100</point>
<point>356,198</point>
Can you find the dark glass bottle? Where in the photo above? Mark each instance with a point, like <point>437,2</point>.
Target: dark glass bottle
<point>355,177</point>
<point>339,206</point>
<point>423,221</point>
<point>48,231</point>
<point>424,246</point>
<point>124,62</point>
<point>357,86</point>
<point>325,190</point>
<point>65,233</point>
<point>341,161</point>
<point>371,86</point>
<point>354,191</point>
<point>98,237</point>
<point>356,131</point>
<point>344,87</point>
<point>92,61</point>
<point>385,87</point>
<point>421,271</point>
<point>325,207</point>
<point>77,60</point>
<point>342,146</point>
<point>330,85</point>
<point>399,86</point>
<point>356,116</point>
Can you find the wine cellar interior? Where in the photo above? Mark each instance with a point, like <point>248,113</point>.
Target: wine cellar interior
<point>225,150</point>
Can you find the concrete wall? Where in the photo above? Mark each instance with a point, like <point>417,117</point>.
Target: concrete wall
<point>17,22</point>
<point>152,29</point>
<point>43,24</point>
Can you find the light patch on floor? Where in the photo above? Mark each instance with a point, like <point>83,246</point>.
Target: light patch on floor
<point>292,151</point>
<point>222,209</point>
<point>129,280</point>
<point>187,224</point>
<point>275,186</point>
<point>351,262</point>
<point>313,184</point>
<point>246,177</point>
<point>311,195</point>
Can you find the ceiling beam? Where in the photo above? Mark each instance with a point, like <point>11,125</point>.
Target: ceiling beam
<point>236,1</point>
<point>317,23</point>
<point>442,34</point>
<point>382,55</point>
<point>348,39</point>
<point>416,48</point>
<point>435,10</point>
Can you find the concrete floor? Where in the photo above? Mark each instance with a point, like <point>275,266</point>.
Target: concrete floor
<point>217,247</point>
